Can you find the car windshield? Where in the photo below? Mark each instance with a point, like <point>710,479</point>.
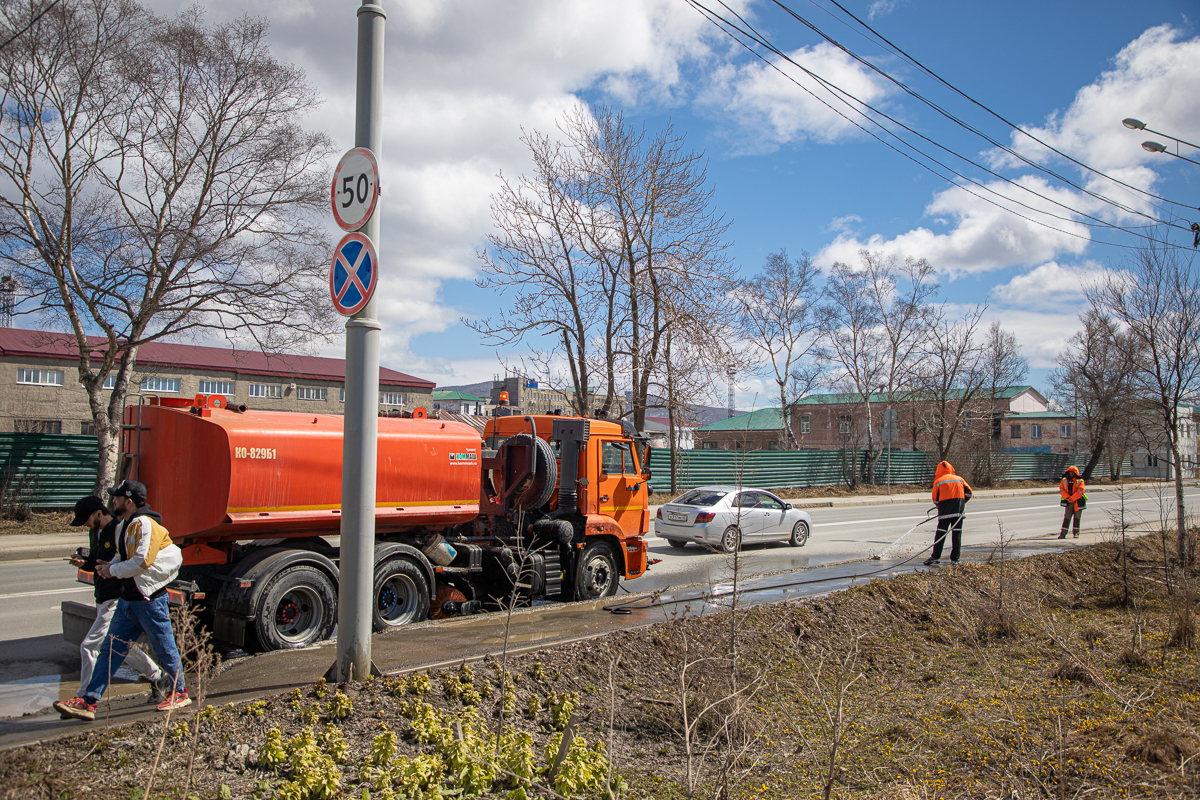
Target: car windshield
<point>699,497</point>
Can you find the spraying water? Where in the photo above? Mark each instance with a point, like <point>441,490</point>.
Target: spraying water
<point>888,550</point>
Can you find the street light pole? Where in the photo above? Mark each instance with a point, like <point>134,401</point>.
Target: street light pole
<point>361,420</point>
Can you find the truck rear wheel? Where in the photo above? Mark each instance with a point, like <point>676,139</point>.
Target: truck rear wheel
<point>597,574</point>
<point>401,594</point>
<point>298,607</point>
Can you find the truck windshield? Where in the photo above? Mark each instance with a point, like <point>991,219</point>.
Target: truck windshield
<point>699,497</point>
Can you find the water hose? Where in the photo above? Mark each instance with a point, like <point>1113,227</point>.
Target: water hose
<point>628,607</point>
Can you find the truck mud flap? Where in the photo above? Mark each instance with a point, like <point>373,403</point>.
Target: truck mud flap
<point>229,629</point>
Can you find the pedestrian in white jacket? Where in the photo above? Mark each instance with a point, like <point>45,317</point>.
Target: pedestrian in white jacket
<point>146,561</point>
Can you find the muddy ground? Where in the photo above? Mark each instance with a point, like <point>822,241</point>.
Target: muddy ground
<point>1060,676</point>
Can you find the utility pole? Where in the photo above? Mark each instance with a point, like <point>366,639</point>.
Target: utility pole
<point>361,422</point>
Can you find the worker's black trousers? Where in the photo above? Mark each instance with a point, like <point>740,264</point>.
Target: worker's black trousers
<point>950,519</point>
<point>1072,512</point>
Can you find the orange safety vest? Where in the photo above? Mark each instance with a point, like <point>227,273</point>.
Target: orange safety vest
<point>948,486</point>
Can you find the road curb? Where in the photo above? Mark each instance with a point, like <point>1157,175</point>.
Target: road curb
<point>32,551</point>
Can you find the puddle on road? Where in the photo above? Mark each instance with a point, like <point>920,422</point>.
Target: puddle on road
<point>30,695</point>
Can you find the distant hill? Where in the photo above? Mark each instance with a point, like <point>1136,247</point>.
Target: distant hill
<point>483,389</point>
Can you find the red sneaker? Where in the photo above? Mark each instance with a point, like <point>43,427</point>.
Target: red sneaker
<point>175,700</point>
<point>77,708</point>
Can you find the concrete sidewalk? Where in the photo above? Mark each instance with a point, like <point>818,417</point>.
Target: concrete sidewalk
<point>32,546</point>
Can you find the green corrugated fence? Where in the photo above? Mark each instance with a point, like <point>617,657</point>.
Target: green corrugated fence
<point>59,468</point>
<point>778,469</point>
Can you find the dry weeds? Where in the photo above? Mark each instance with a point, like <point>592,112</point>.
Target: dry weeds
<point>1068,694</point>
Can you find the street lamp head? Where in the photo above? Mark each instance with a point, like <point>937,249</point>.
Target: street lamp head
<point>1133,124</point>
<point>1154,147</point>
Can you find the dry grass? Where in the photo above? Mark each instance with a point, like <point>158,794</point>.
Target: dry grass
<point>1051,696</point>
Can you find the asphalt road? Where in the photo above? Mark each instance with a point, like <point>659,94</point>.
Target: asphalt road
<point>32,652</point>
<point>859,532</point>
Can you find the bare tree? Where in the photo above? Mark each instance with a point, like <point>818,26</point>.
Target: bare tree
<point>873,323</point>
<point>949,377</point>
<point>1095,374</point>
<point>1157,300</point>
<point>1002,365</point>
<point>777,315</point>
<point>157,182</point>
<point>606,247</point>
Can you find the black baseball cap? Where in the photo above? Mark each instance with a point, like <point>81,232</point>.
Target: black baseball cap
<point>85,508</point>
<point>134,490</point>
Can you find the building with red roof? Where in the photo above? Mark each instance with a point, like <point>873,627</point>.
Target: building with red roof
<point>40,388</point>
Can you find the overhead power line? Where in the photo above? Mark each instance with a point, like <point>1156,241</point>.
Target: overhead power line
<point>33,21</point>
<point>912,60</point>
<point>741,31</point>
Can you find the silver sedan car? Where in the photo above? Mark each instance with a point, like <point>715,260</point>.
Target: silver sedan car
<point>726,517</point>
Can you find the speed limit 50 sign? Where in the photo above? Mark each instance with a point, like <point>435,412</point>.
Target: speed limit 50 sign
<point>355,188</point>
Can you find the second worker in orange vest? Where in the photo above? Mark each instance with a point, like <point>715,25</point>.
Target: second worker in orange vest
<point>951,494</point>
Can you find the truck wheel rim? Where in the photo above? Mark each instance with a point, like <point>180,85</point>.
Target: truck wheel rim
<point>599,575</point>
<point>297,614</point>
<point>397,600</point>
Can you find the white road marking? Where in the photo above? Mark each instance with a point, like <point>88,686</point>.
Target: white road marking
<point>47,591</point>
<point>997,512</point>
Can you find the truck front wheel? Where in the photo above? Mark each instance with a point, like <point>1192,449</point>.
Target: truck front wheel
<point>401,594</point>
<point>597,575</point>
<point>298,607</point>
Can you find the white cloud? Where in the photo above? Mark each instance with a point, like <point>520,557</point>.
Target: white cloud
<point>984,236</point>
<point>462,77</point>
<point>1153,78</point>
<point>881,8</point>
<point>770,110</point>
<point>843,223</point>
<point>1051,287</point>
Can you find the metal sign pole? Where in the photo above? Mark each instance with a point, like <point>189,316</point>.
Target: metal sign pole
<point>362,391</point>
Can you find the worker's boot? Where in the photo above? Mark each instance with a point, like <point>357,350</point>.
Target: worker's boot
<point>1062,535</point>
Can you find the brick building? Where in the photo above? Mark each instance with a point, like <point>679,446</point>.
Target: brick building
<point>40,389</point>
<point>1020,419</point>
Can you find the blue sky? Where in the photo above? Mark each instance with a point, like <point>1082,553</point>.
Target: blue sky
<point>464,77</point>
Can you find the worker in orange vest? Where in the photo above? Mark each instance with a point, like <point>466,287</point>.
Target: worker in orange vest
<point>951,494</point>
<point>1071,489</point>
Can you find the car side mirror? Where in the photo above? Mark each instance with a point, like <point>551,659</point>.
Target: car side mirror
<point>787,506</point>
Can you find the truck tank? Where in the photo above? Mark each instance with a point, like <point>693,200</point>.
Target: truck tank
<point>219,474</point>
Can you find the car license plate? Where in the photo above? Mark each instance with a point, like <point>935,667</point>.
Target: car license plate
<point>677,517</point>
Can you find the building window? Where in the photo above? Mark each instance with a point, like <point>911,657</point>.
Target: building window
<point>341,395</point>
<point>1064,431</point>
<point>1035,431</point>
<point>843,423</point>
<point>217,387</point>
<point>40,377</point>
<point>805,424</point>
<point>160,384</point>
<point>969,419</point>
<point>271,391</point>
<point>87,428</point>
<point>110,382</point>
<point>772,445</point>
<point>37,426</point>
<point>391,398</point>
<point>708,445</point>
<point>1014,431</point>
<point>312,393</point>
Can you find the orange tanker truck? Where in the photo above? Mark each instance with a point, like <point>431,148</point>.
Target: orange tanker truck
<point>544,507</point>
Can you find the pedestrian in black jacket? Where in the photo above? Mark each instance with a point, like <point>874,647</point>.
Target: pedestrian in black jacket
<point>102,529</point>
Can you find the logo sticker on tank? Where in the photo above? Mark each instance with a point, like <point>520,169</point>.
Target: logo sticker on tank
<point>464,458</point>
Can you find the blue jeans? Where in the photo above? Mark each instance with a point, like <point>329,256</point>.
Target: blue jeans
<point>133,618</point>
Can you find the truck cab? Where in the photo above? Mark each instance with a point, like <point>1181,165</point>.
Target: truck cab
<point>602,495</point>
